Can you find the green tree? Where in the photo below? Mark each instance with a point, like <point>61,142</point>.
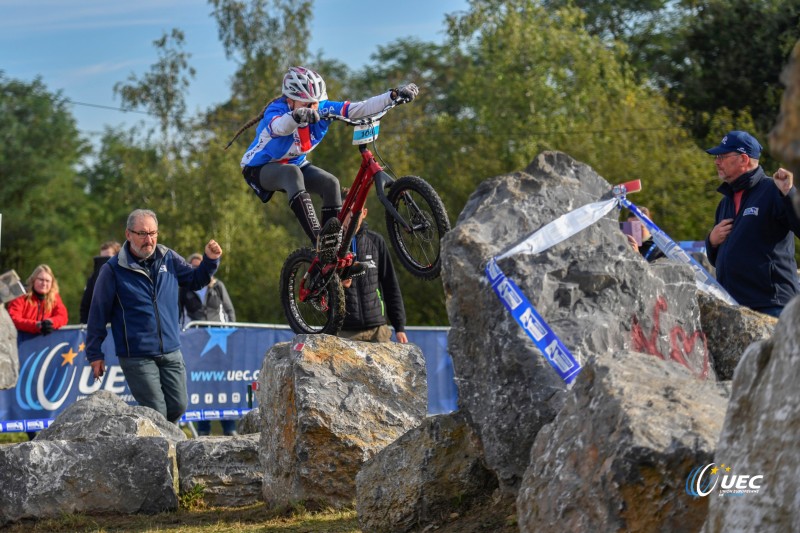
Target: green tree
<point>264,37</point>
<point>646,27</point>
<point>161,91</point>
<point>45,215</point>
<point>730,56</point>
<point>516,79</point>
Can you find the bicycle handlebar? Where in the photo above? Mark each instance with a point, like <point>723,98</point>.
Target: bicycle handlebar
<point>368,119</point>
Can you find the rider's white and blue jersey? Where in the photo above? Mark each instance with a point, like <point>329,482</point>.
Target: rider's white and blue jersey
<point>280,139</point>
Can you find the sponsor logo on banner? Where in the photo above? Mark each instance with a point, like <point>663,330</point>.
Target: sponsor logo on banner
<point>509,295</point>
<point>493,270</point>
<point>557,356</point>
<point>532,325</point>
<point>703,480</point>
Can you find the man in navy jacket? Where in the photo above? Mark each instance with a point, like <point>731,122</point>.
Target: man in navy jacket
<point>137,292</point>
<point>752,243</point>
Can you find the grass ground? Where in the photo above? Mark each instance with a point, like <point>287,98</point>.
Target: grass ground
<point>241,520</point>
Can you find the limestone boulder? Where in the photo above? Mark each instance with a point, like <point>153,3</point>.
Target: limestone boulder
<point>123,475</point>
<point>228,469</point>
<point>250,422</point>
<point>617,456</point>
<point>423,477</point>
<point>730,330</point>
<point>104,414</point>
<point>596,293</point>
<point>9,355</point>
<point>327,406</point>
<point>760,438</point>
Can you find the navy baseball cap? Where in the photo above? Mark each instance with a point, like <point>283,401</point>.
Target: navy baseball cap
<point>737,141</point>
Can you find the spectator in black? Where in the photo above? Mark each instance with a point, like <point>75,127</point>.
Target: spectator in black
<point>211,304</point>
<point>375,294</point>
<point>752,242</point>
<point>107,250</point>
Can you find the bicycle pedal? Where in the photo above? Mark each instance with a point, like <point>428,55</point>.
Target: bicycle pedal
<point>354,270</point>
<point>329,240</point>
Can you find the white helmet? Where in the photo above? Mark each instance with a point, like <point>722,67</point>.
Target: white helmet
<point>304,85</point>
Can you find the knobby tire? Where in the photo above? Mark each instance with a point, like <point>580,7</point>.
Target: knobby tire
<point>420,250</point>
<point>304,317</point>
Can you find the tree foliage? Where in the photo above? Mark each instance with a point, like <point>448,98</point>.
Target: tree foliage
<point>44,220</point>
<point>729,55</point>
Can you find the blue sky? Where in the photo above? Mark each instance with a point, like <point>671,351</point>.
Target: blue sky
<point>84,47</point>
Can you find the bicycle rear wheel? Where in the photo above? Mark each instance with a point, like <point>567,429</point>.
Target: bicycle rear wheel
<point>421,208</point>
<point>322,313</point>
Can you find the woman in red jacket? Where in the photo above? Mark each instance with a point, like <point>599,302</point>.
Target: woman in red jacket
<point>40,310</point>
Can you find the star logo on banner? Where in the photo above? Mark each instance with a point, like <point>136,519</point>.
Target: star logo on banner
<point>217,337</point>
<point>68,357</point>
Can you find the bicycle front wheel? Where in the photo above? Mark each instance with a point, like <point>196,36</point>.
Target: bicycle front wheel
<point>323,311</point>
<point>419,247</point>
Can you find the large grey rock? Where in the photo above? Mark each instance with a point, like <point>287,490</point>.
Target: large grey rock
<point>595,292</point>
<point>422,477</point>
<point>122,475</point>
<point>730,330</point>
<point>104,414</point>
<point>250,422</point>
<point>617,456</point>
<point>328,405</point>
<point>760,436</point>
<point>9,355</point>
<point>227,467</point>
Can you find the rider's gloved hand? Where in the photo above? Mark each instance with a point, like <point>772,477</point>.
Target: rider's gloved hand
<point>305,115</point>
<point>407,92</point>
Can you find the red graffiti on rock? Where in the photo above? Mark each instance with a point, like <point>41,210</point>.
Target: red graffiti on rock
<point>682,345</point>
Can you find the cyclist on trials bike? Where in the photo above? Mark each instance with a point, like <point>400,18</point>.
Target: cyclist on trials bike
<point>288,129</point>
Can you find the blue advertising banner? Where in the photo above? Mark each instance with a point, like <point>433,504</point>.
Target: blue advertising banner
<point>220,364</point>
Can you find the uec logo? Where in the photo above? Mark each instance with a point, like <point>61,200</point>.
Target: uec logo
<point>46,385</point>
<point>703,480</point>
<point>52,385</point>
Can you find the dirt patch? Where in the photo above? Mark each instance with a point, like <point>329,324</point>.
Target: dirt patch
<point>497,514</point>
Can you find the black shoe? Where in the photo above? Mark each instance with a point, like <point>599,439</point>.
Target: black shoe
<point>329,240</point>
<point>353,271</point>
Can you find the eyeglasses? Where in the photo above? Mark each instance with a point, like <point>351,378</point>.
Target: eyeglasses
<point>144,234</point>
<point>720,157</point>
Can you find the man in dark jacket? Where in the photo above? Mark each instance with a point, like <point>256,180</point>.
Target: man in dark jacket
<point>107,250</point>
<point>752,245</point>
<point>137,292</point>
<point>370,297</point>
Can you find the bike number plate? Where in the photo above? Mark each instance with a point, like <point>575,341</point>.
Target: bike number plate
<point>366,133</point>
